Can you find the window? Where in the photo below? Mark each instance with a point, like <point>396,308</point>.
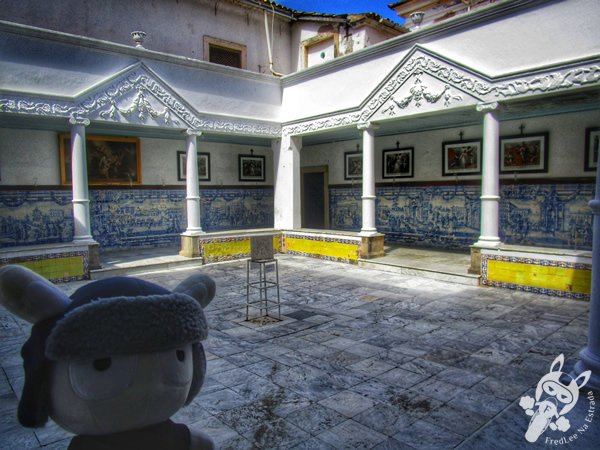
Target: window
<point>225,53</point>
<point>225,56</point>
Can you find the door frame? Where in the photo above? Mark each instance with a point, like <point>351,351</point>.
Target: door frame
<point>316,169</point>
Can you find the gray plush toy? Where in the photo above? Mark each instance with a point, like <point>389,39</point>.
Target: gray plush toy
<point>113,362</point>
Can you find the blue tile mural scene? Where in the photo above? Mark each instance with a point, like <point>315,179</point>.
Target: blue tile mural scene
<point>444,216</point>
<point>447,216</point>
<point>124,218</point>
<point>35,217</point>
<point>237,208</point>
<point>137,218</point>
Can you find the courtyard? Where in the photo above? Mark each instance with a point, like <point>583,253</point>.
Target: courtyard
<point>361,359</point>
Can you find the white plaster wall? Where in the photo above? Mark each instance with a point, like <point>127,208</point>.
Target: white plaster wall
<point>566,151</point>
<point>333,91</point>
<point>50,68</point>
<point>43,66</point>
<point>29,157</point>
<point>552,32</point>
<point>159,162</point>
<point>321,52</point>
<point>299,32</point>
<point>172,26</point>
<point>215,93</point>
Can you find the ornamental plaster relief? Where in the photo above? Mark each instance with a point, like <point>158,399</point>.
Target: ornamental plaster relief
<point>135,96</point>
<point>422,93</point>
<point>459,87</point>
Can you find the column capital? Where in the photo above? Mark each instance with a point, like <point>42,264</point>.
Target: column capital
<point>192,132</point>
<point>367,126</point>
<point>488,107</point>
<point>77,120</point>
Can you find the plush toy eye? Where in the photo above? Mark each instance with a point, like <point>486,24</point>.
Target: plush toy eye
<point>102,364</point>
<point>102,378</point>
<point>177,366</point>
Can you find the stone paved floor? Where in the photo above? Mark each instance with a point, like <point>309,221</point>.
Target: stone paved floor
<point>363,359</point>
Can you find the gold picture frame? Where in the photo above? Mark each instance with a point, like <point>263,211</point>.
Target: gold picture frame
<point>111,161</point>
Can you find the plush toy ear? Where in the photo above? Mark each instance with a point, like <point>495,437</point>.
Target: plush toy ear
<point>200,287</point>
<point>30,296</point>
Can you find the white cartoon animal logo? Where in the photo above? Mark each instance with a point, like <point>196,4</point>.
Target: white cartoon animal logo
<point>555,395</point>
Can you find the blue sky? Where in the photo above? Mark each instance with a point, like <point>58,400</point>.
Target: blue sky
<point>344,7</point>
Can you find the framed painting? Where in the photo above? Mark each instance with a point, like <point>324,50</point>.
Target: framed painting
<point>592,147</point>
<point>251,168</point>
<point>461,157</point>
<point>203,166</point>
<point>527,153</point>
<point>110,160</point>
<point>398,163</point>
<point>352,166</point>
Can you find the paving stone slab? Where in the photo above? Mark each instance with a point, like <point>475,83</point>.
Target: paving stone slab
<point>425,435</point>
<point>315,418</point>
<point>351,434</point>
<point>348,403</point>
<point>356,338</point>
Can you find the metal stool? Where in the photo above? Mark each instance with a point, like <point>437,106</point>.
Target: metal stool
<point>261,255</point>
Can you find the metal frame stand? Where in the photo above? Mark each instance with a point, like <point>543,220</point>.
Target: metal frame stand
<point>262,285</point>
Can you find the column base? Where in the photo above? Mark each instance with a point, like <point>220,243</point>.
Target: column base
<point>94,256</point>
<point>475,267</point>
<point>588,361</point>
<point>488,243</point>
<point>190,245</point>
<point>93,250</point>
<point>372,245</point>
<point>369,232</point>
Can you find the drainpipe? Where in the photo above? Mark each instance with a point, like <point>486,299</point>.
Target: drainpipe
<point>277,74</point>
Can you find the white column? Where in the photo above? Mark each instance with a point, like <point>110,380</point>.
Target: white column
<point>82,232</point>
<point>490,178</point>
<point>192,186</point>
<point>589,357</point>
<point>368,179</point>
<point>286,174</point>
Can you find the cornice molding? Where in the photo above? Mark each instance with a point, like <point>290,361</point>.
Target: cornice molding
<point>413,38</point>
<point>454,78</point>
<point>136,52</point>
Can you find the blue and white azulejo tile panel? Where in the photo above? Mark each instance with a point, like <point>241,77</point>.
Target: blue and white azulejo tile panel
<point>448,216</point>
<point>33,217</point>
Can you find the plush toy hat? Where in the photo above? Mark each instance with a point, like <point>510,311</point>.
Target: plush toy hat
<point>114,316</point>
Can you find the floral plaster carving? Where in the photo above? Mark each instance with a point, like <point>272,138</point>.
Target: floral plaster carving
<point>453,77</point>
<point>142,107</point>
<point>580,76</point>
<point>107,104</point>
<point>420,93</point>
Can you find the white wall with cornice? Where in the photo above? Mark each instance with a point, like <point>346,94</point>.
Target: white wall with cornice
<point>522,40</point>
<point>31,157</point>
<point>50,67</point>
<point>171,27</point>
<point>550,33</point>
<point>566,149</point>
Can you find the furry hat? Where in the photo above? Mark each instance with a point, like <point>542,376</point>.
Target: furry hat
<point>119,315</point>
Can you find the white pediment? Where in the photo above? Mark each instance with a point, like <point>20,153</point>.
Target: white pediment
<point>426,82</point>
<point>422,93</point>
<point>137,96</point>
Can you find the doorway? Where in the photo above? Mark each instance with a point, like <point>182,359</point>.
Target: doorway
<point>315,197</point>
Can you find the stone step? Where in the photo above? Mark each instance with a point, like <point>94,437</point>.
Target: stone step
<point>144,265</point>
<point>435,274</point>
